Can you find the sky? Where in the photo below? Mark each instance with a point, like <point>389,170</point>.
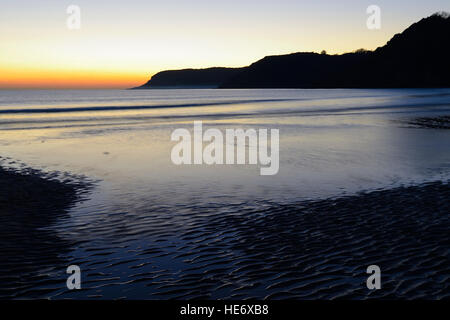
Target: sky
<point>121,44</point>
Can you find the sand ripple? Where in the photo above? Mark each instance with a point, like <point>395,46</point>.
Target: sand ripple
<point>308,250</point>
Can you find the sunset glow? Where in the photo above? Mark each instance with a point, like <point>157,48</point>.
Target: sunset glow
<point>121,44</point>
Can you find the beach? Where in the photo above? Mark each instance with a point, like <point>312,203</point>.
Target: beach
<point>30,202</point>
<point>363,180</point>
<point>308,250</point>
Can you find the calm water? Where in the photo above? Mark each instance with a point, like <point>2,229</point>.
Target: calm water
<point>332,143</point>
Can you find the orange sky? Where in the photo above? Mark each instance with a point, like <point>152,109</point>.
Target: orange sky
<point>78,79</point>
<point>121,44</point>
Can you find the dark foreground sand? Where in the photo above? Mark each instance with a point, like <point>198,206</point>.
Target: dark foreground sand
<point>442,122</point>
<point>308,250</point>
<point>29,203</point>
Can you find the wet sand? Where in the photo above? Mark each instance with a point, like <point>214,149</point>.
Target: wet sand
<point>442,122</point>
<point>309,250</point>
<point>31,253</point>
<point>321,249</point>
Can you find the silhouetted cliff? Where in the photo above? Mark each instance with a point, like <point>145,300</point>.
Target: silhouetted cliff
<point>190,78</point>
<point>417,57</point>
